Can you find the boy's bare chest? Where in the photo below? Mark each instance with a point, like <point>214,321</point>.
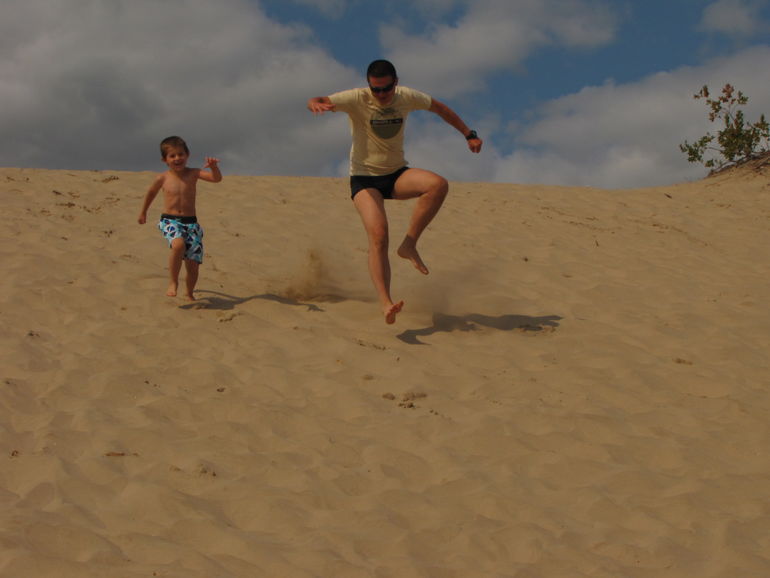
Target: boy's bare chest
<point>179,185</point>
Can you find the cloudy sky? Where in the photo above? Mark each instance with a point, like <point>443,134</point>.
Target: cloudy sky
<point>572,92</point>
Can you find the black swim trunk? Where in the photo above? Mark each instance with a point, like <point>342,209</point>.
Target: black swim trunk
<point>180,218</point>
<point>384,183</point>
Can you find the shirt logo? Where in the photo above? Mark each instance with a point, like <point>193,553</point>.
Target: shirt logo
<point>384,125</point>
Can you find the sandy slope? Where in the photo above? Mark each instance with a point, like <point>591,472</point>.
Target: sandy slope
<point>579,388</point>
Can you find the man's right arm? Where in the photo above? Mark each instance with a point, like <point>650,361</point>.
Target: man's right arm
<point>320,105</point>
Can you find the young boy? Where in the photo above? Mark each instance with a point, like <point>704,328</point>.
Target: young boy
<point>178,222</point>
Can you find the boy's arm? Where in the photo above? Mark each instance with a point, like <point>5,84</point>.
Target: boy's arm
<point>152,192</point>
<point>452,118</point>
<point>213,175</point>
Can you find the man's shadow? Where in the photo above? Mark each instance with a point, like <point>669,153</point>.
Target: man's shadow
<point>223,302</point>
<point>470,322</point>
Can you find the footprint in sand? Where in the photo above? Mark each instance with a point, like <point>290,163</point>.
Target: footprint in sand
<point>407,400</point>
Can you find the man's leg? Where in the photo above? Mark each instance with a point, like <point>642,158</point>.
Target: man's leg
<point>371,207</point>
<point>431,190</point>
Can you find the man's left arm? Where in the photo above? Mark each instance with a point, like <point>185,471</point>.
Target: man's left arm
<point>452,118</point>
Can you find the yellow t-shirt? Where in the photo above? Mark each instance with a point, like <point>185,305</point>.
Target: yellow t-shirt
<point>378,131</point>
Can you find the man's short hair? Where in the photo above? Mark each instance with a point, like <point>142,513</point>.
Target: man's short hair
<point>381,69</point>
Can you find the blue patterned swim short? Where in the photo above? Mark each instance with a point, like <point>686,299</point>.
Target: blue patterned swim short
<point>187,228</point>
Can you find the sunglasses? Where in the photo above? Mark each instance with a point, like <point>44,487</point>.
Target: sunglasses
<point>382,89</point>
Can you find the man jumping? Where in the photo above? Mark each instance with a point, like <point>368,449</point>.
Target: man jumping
<point>378,169</point>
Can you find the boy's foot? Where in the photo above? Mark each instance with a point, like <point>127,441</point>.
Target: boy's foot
<point>409,251</point>
<point>190,297</point>
<point>171,292</point>
<point>392,311</point>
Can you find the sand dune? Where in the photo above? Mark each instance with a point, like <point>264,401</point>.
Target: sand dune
<point>579,388</point>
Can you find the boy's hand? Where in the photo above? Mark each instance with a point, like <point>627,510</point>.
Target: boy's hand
<point>142,219</point>
<point>213,175</point>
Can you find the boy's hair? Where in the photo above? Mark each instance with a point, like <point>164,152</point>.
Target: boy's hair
<point>172,142</point>
<point>381,69</point>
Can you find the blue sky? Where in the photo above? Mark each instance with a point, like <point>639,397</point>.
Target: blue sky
<point>648,36</point>
<point>569,92</point>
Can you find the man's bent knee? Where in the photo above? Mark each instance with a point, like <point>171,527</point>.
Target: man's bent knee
<point>438,188</point>
<point>435,184</point>
<point>442,186</point>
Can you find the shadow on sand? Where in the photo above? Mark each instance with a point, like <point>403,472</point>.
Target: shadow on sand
<point>223,302</point>
<point>471,322</point>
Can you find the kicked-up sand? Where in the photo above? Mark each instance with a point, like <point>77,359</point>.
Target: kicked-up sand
<point>580,387</point>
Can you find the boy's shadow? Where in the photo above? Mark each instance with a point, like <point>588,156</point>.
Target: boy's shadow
<point>223,302</point>
<point>470,322</point>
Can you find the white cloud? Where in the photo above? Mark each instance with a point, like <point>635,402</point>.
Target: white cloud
<point>435,8</point>
<point>736,18</point>
<point>330,8</point>
<point>628,135</point>
<point>493,36</point>
<point>97,83</point>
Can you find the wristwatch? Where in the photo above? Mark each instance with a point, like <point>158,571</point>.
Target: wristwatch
<point>471,135</point>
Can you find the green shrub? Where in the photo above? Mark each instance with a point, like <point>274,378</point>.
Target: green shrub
<point>738,141</point>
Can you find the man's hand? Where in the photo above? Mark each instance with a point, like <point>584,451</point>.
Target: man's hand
<point>475,145</point>
<point>320,105</point>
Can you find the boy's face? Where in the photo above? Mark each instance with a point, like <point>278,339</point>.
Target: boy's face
<point>176,158</point>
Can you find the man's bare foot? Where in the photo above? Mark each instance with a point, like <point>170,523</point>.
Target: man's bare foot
<point>190,297</point>
<point>409,251</point>
<point>171,292</point>
<point>392,311</point>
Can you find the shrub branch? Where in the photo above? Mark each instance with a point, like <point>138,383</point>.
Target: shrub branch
<point>738,141</point>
